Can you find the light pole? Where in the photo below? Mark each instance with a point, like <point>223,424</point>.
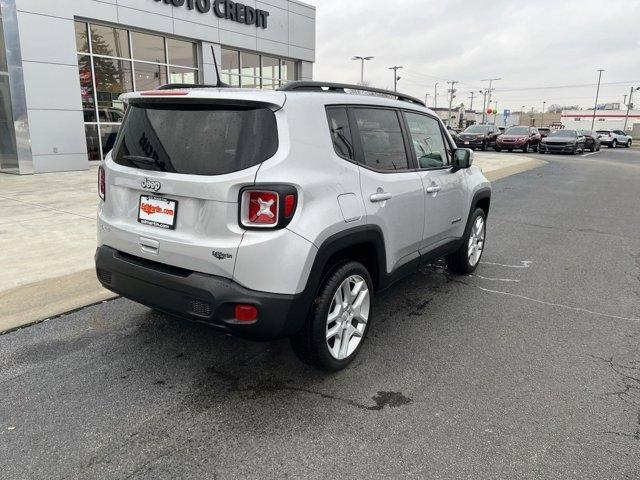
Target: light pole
<point>626,119</point>
<point>395,77</point>
<point>471,104</point>
<point>595,107</point>
<point>542,117</point>
<point>426,96</point>
<point>362,60</point>
<point>522,115</point>
<point>435,95</point>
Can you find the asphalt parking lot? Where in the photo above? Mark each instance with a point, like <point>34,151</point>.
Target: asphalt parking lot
<point>528,369</point>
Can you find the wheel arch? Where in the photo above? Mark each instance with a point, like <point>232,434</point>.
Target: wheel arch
<point>364,244</point>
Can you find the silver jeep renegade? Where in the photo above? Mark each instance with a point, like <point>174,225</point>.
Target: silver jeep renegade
<point>276,214</point>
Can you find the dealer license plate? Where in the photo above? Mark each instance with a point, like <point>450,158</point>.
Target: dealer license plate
<point>466,143</point>
<point>158,212</point>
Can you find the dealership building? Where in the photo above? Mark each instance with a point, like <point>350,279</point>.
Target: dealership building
<point>65,63</point>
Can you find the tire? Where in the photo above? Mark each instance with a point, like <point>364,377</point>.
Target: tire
<point>536,149</point>
<point>312,344</point>
<point>614,144</point>
<point>525,149</point>
<point>484,146</point>
<point>628,144</point>
<point>509,150</point>
<point>593,148</point>
<point>464,261</point>
<point>497,149</point>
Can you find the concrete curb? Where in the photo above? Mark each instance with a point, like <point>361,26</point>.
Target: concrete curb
<point>29,304</point>
<point>503,172</point>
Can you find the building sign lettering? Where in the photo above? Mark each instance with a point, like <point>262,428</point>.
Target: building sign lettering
<point>227,9</point>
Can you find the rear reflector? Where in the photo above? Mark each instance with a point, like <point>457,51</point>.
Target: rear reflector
<point>102,183</point>
<point>289,205</point>
<point>164,93</point>
<point>246,313</point>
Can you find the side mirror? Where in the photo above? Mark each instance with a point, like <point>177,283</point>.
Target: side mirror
<point>462,158</point>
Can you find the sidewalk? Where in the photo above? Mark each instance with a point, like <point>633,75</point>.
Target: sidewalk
<point>48,238</point>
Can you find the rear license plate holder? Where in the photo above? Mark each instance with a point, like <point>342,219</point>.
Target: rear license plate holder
<point>158,212</point>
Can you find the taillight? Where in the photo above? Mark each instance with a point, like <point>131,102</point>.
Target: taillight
<point>269,206</point>
<point>102,183</point>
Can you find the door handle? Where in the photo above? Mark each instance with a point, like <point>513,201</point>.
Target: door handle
<point>380,197</point>
<point>434,189</point>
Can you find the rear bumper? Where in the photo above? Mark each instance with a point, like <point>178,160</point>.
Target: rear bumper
<point>200,297</point>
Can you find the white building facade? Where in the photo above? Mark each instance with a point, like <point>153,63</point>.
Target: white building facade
<point>65,63</point>
<point>604,119</point>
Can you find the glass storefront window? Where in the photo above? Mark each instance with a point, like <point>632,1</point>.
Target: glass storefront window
<point>148,47</point>
<point>109,41</point>
<point>108,135</point>
<point>112,79</point>
<point>182,53</point>
<point>8,150</point>
<point>270,67</point>
<point>250,64</point>
<point>93,144</point>
<point>288,70</point>
<point>182,75</point>
<point>82,39</point>
<point>86,88</point>
<point>150,76</point>
<point>230,62</point>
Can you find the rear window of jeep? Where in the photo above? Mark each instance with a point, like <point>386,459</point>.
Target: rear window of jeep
<point>195,139</point>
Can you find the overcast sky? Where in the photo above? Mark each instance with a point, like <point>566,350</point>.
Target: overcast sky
<point>534,46</point>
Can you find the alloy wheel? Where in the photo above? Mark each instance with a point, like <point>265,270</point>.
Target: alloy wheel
<point>347,317</point>
<point>476,241</point>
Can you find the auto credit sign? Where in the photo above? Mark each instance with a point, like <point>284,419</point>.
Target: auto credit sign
<point>226,9</point>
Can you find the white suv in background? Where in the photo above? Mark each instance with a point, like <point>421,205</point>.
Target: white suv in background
<point>614,138</point>
<point>277,214</point>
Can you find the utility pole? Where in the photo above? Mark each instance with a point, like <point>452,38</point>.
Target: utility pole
<point>471,104</point>
<point>521,116</point>
<point>484,106</point>
<point>542,118</point>
<point>362,60</point>
<point>435,95</point>
<point>595,107</point>
<point>395,77</point>
<point>426,96</point>
<point>626,119</point>
<point>489,90</point>
<point>452,92</point>
<point>624,101</point>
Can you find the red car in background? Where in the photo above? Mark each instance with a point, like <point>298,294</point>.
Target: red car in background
<point>519,138</point>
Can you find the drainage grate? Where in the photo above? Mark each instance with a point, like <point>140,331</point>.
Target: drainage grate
<point>104,275</point>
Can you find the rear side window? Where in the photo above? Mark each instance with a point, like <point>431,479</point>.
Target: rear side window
<point>427,140</point>
<point>381,139</point>
<point>340,131</point>
<point>196,139</point>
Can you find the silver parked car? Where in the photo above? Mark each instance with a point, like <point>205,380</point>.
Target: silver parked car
<point>275,214</point>
<point>614,138</point>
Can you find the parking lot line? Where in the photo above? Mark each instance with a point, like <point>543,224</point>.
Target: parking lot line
<point>592,153</point>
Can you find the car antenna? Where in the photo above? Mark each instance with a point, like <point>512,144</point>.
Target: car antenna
<point>219,83</point>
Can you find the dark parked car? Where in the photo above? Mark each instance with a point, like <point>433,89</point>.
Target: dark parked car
<point>478,136</point>
<point>519,138</point>
<point>563,141</point>
<point>592,140</point>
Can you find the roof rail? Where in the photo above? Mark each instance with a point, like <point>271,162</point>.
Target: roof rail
<point>180,86</point>
<point>310,86</point>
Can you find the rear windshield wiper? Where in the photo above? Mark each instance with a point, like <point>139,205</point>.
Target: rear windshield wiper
<point>145,160</point>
